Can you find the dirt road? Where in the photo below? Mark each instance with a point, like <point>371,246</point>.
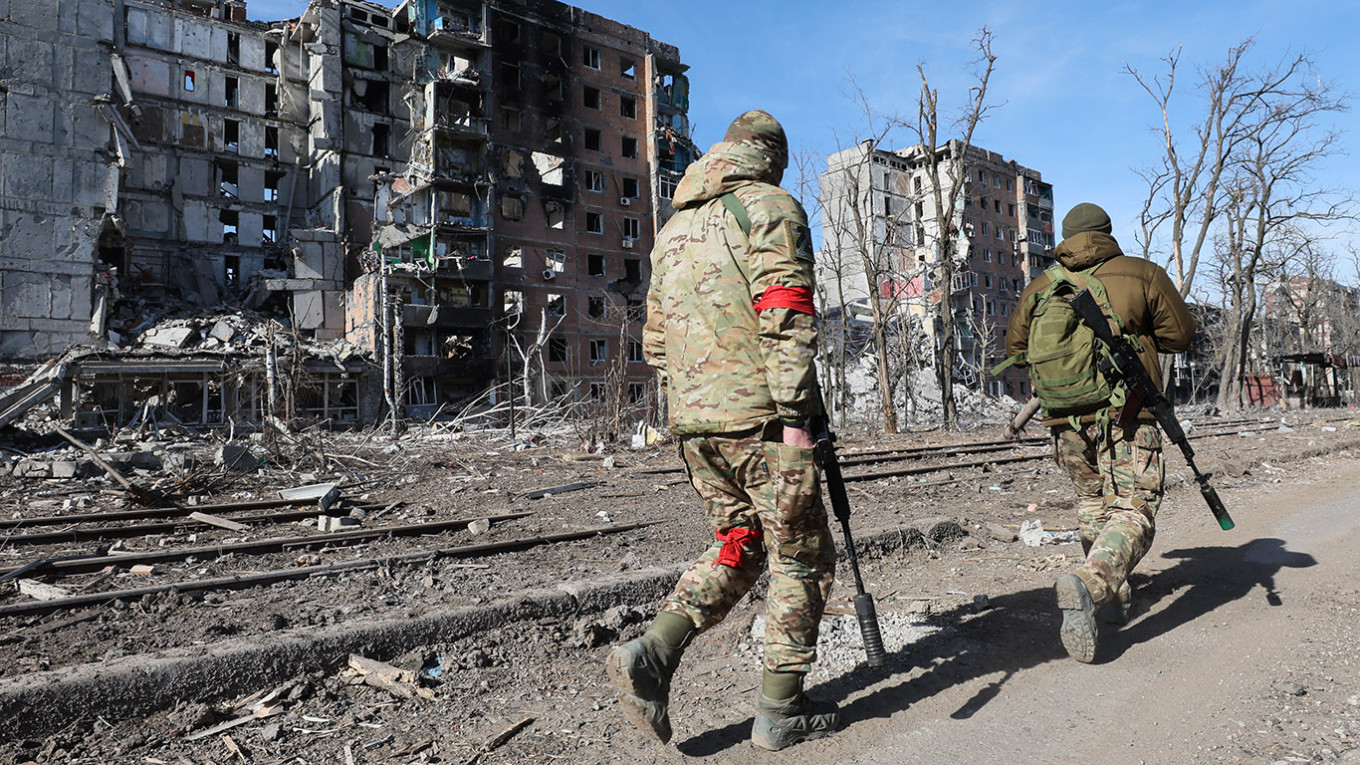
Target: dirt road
<point>1246,652</point>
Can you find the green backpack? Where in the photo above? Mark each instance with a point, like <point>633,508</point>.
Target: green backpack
<point>1066,360</point>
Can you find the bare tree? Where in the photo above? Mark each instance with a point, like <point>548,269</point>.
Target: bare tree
<point>945,167</point>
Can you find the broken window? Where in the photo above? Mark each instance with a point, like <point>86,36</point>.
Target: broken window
<point>554,87</point>
<point>632,270</point>
<point>557,349</point>
<point>232,273</point>
<point>270,231</point>
<point>271,142</point>
<point>591,97</point>
<point>594,180</point>
<point>230,98</point>
<point>637,391</point>
<point>507,31</point>
<point>592,139</point>
<point>555,261</point>
<point>233,48</point>
<point>512,302</point>
<point>231,220</point>
<point>557,304</point>
<point>510,118</point>
<point>595,306</point>
<point>628,107</point>
<point>631,227</point>
<point>371,95</point>
<point>552,130</point>
<point>590,57</point>
<point>594,223</point>
<point>456,206</point>
<point>628,68</point>
<point>227,182</point>
<point>635,352</point>
<point>189,79</point>
<point>599,351</point>
<point>554,214</point>
<point>381,135</point>
<point>637,310</point>
<point>595,264</point>
<point>271,52</point>
<point>271,100</point>
<point>630,147</point>
<point>512,207</point>
<point>271,186</point>
<point>509,75</point>
<point>552,44</point>
<point>512,256</point>
<point>631,188</point>
<point>596,391</point>
<point>231,135</point>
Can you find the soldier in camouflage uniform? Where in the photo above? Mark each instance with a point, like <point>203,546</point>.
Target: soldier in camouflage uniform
<point>730,329</point>
<point>1117,472</point>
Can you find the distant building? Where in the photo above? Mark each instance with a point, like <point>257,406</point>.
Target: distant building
<point>447,186</point>
<point>879,203</point>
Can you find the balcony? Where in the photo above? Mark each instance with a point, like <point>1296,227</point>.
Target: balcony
<point>471,270</point>
<point>449,369</point>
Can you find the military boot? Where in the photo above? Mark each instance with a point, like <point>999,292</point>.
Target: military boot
<point>1080,633</point>
<point>641,669</point>
<point>781,723</point>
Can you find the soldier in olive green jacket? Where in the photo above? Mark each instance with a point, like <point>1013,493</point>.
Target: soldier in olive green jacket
<point>1117,472</point>
<point>731,332</point>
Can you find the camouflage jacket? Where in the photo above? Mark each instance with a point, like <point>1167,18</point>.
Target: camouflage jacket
<point>725,366</point>
<point>1139,291</point>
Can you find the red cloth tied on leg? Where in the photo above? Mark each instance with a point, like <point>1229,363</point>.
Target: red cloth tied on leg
<point>735,542</point>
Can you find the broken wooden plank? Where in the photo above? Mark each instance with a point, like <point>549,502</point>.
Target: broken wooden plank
<point>394,680</point>
<point>221,523</point>
<point>548,492</point>
<point>137,492</point>
<point>40,591</point>
<point>499,740</point>
<point>216,729</point>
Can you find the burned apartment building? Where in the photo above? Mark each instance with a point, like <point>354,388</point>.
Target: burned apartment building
<point>411,204</point>
<point>879,216</point>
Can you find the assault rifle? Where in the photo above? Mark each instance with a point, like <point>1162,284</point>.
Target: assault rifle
<point>1143,392</point>
<point>840,503</point>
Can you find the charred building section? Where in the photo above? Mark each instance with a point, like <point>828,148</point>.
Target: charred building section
<point>445,194</point>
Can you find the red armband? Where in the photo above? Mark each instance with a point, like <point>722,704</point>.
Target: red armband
<point>735,542</point>
<point>779,296</point>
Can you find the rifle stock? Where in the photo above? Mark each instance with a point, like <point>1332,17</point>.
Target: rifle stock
<point>1143,389</point>
<point>865,612</point>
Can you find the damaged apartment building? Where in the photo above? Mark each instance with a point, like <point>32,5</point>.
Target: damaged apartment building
<point>879,207</point>
<point>392,209</point>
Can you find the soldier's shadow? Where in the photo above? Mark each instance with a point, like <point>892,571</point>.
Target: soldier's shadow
<point>1013,632</point>
<point>1210,577</point>
<point>1019,630</point>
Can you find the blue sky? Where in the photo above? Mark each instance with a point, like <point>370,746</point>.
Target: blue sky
<point>1064,105</point>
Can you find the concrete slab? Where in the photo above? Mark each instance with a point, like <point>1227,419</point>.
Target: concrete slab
<point>310,310</point>
<point>89,183</point>
<point>35,14</point>
<point>29,116</point>
<point>30,60</point>
<point>27,176</point>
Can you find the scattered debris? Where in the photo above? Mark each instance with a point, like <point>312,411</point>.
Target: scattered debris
<point>394,680</point>
<point>540,493</point>
<point>213,520</point>
<point>498,740</point>
<point>39,591</point>
<point>1032,533</point>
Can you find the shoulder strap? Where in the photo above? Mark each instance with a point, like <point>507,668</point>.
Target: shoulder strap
<point>738,211</point>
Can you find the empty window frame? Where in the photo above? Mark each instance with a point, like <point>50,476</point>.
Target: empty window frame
<point>628,107</point>
<point>512,207</point>
<point>271,142</point>
<point>557,349</point>
<point>594,181</point>
<point>269,233</point>
<point>592,139</point>
<point>271,100</point>
<point>632,189</point>
<point>629,147</point>
<point>509,75</point>
<point>555,261</point>
<point>382,135</point>
<point>595,306</point>
<point>512,302</point>
<point>555,215</point>
<point>599,351</point>
<point>507,31</point>
<point>594,223</point>
<point>590,97</point>
<point>632,270</point>
<point>271,52</point>
<point>595,264</point>
<point>512,256</point>
<point>635,351</point>
<point>631,228</point>
<point>231,135</point>
<point>271,186</point>
<point>231,221</point>
<point>557,304</point>
<point>628,68</point>
<point>510,118</point>
<point>637,392</point>
<point>231,98</point>
<point>590,57</point>
<point>190,80</point>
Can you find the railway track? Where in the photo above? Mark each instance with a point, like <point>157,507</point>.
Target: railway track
<point>63,562</point>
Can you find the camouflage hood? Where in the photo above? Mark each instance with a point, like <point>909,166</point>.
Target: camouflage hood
<point>1085,250</point>
<point>726,167</point>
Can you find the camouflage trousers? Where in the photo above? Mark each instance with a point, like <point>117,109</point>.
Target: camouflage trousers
<point>1119,484</point>
<point>751,484</point>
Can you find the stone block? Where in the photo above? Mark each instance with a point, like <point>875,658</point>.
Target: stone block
<point>94,72</point>
<point>90,178</point>
<point>29,116</point>
<point>64,469</point>
<point>28,468</point>
<point>28,176</point>
<point>63,175</point>
<point>94,19</point>
<point>32,61</point>
<point>237,458</point>
<point>35,14</point>
<point>25,234</point>
<point>61,297</point>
